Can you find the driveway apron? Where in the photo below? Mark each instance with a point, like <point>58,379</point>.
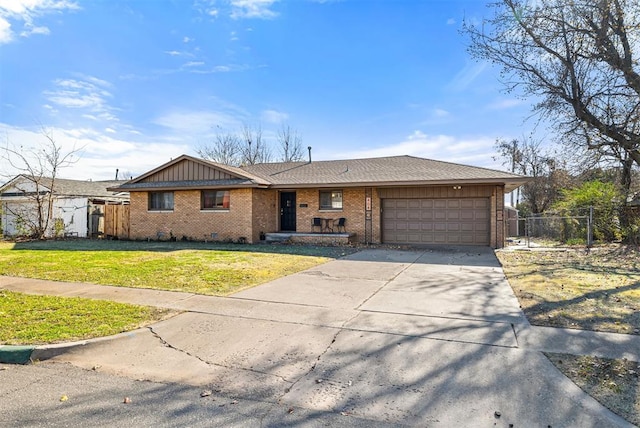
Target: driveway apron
<point>419,338</point>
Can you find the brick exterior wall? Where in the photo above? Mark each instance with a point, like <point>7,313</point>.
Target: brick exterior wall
<point>497,217</point>
<point>187,220</point>
<point>352,210</point>
<point>264,212</point>
<point>257,210</point>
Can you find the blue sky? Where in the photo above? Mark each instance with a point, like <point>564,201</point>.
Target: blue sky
<point>136,83</point>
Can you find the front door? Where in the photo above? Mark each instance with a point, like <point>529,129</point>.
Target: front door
<point>288,211</point>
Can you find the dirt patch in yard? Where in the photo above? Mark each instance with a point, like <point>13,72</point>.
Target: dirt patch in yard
<point>595,290</point>
<point>614,383</point>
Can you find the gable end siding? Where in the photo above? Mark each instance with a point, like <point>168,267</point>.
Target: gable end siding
<point>188,170</point>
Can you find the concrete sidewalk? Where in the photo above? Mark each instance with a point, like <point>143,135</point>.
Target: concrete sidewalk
<point>430,337</point>
<point>536,338</point>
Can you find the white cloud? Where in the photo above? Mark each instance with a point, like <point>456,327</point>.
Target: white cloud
<point>259,9</point>
<point>440,113</point>
<point>98,154</point>
<point>5,31</point>
<point>466,76</point>
<point>476,151</point>
<point>86,93</point>
<point>186,39</point>
<point>505,104</point>
<point>29,30</point>
<point>193,64</point>
<point>24,13</point>
<point>198,123</point>
<point>274,116</point>
<point>451,21</point>
<point>220,69</point>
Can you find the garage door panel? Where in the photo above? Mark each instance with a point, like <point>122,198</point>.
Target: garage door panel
<point>414,214</point>
<point>426,215</point>
<point>436,221</point>
<point>440,238</point>
<point>414,227</point>
<point>467,215</point>
<point>467,227</point>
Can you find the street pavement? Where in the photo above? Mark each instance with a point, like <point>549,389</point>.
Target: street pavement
<point>431,337</point>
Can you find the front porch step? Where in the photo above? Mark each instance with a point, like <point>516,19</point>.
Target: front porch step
<point>311,238</point>
<point>278,237</point>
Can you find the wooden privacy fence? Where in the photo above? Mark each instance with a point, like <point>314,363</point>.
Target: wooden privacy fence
<point>116,221</point>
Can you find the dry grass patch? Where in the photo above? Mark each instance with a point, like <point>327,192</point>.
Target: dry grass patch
<point>590,290</point>
<point>614,383</point>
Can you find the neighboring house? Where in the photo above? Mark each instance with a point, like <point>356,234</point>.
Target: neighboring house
<point>77,208</point>
<point>397,200</point>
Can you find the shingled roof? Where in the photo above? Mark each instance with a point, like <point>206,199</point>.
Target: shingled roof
<point>394,170</point>
<point>187,172</point>
<point>73,188</point>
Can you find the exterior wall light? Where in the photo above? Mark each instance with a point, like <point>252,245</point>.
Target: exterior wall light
<point>457,187</point>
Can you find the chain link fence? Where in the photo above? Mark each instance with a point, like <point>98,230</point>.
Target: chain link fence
<point>551,230</point>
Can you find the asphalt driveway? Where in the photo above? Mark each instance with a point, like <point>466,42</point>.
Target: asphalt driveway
<point>420,338</point>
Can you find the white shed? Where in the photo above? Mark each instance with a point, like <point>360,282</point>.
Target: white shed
<point>77,205</point>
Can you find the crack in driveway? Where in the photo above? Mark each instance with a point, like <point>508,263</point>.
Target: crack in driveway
<point>184,351</point>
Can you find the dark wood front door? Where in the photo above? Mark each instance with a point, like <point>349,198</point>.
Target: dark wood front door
<point>288,211</point>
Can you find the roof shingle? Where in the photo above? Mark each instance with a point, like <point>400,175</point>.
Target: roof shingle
<point>394,169</point>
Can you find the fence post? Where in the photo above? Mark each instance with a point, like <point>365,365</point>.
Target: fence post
<point>590,227</point>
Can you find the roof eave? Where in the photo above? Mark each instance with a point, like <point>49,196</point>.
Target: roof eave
<point>194,187</point>
<point>509,183</point>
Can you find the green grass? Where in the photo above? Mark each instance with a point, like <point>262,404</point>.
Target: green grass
<point>191,267</point>
<point>28,320</point>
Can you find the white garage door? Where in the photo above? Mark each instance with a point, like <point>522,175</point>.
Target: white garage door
<point>436,221</point>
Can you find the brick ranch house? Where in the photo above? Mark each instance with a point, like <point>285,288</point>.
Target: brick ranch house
<point>397,200</point>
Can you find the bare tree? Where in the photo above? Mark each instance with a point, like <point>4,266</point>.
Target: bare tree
<point>253,149</point>
<point>290,144</point>
<point>579,59</point>
<point>511,154</point>
<point>528,157</point>
<point>225,149</point>
<point>38,170</point>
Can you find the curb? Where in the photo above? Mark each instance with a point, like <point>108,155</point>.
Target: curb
<point>17,354</point>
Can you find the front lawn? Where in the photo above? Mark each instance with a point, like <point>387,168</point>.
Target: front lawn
<point>32,320</point>
<point>192,267</point>
<point>590,290</point>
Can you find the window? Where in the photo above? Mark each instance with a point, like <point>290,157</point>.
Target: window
<point>331,199</point>
<point>214,200</point>
<point>160,201</point>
